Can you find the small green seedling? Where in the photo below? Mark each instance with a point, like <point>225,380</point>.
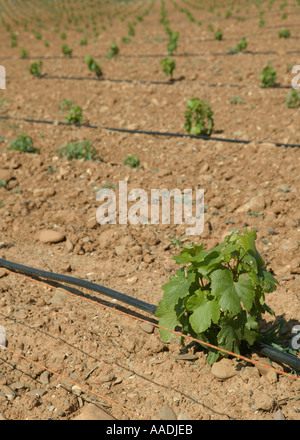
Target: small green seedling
<point>131,31</point>
<point>13,40</point>
<point>284,33</point>
<point>268,77</point>
<point>132,161</point>
<point>65,105</point>
<point>236,100</point>
<point>23,52</point>
<point>66,50</point>
<point>113,51</point>
<point>219,35</point>
<point>75,115</point>
<point>168,65</point>
<point>93,66</point>
<point>198,118</point>
<point>218,295</point>
<point>23,143</point>
<point>293,99</point>
<point>241,45</point>
<point>177,242</point>
<point>173,41</point>
<point>78,150</point>
<point>83,41</point>
<point>36,68</point>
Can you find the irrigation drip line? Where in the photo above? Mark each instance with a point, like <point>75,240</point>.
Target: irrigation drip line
<point>79,283</point>
<point>183,55</point>
<point>266,350</point>
<point>144,81</point>
<point>87,78</point>
<point>150,133</point>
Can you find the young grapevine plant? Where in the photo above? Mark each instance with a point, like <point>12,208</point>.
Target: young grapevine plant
<point>36,68</point>
<point>93,66</point>
<point>168,66</point>
<point>217,296</point>
<point>268,77</point>
<point>198,117</point>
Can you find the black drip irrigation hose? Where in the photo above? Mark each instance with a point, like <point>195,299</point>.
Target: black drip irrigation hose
<point>266,350</point>
<point>79,283</point>
<point>150,133</point>
<point>143,81</point>
<point>140,81</point>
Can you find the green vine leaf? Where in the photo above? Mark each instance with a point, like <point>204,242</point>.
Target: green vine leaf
<point>223,289</point>
<point>177,287</point>
<point>168,320</point>
<point>204,311</point>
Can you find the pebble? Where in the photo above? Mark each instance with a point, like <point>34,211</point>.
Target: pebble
<point>38,392</point>
<point>166,413</point>
<point>278,415</point>
<point>284,188</point>
<point>17,385</point>
<point>58,298</point>
<point>243,208</point>
<point>271,376</point>
<point>44,377</point>
<point>69,245</point>
<point>20,314</point>
<point>2,337</point>
<point>182,416</point>
<point>262,401</point>
<point>49,236</point>
<point>185,357</point>
<point>131,280</point>
<point>147,327</point>
<point>10,394</point>
<point>93,412</point>
<point>224,369</point>
<point>257,203</point>
<point>106,378</point>
<point>77,390</point>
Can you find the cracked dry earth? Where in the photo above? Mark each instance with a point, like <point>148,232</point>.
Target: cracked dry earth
<point>73,353</point>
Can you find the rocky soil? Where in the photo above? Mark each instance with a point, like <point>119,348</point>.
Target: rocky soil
<point>72,353</point>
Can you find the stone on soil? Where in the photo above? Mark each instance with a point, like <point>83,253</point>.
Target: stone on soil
<point>224,369</point>
<point>147,327</point>
<point>93,412</point>
<point>166,413</point>
<point>49,236</point>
